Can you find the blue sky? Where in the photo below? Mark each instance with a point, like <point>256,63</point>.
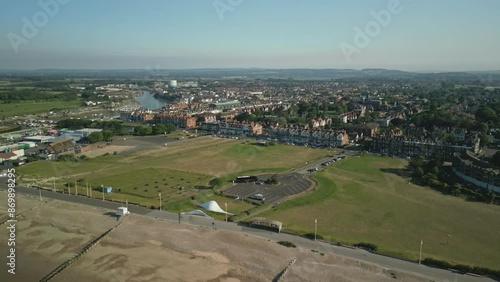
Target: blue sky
<point>111,34</point>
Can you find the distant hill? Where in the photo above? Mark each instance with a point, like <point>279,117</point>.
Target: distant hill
<point>250,73</point>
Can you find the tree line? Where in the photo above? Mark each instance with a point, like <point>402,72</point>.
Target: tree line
<point>35,95</point>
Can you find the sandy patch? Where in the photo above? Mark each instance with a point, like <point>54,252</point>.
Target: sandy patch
<point>144,249</point>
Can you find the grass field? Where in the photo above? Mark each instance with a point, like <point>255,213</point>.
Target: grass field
<point>362,200</point>
<point>31,107</point>
<point>228,157</point>
<point>179,172</point>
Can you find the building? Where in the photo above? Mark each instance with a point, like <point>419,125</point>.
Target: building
<point>412,147</point>
<point>475,171</point>
<point>315,137</point>
<point>207,117</point>
<point>7,157</point>
<point>65,146</point>
<point>182,121</point>
<point>140,116</point>
<point>384,122</point>
<point>347,117</point>
<point>172,84</point>
<point>106,189</point>
<point>234,128</point>
<point>225,104</point>
<point>369,129</point>
<point>240,128</point>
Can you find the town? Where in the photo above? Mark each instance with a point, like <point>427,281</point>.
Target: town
<point>409,116</point>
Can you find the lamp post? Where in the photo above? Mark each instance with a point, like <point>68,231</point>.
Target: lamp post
<point>420,257</point>
<point>226,210</point>
<point>160,201</point>
<point>40,191</point>
<point>315,228</point>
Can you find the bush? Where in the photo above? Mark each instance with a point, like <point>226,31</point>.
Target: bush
<point>311,236</point>
<point>436,263</point>
<point>272,180</point>
<point>462,268</point>
<point>367,246</point>
<point>287,244</point>
<point>66,158</point>
<point>216,182</point>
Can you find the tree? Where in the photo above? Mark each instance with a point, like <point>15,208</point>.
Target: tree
<point>496,158</point>
<point>95,137</point>
<point>484,139</point>
<point>170,127</point>
<point>107,135</point>
<point>143,130</point>
<point>216,182</point>
<point>486,114</point>
<point>282,121</point>
<point>418,161</point>
<point>419,172</point>
<point>434,170</point>
<point>272,180</point>
<point>159,129</point>
<point>397,121</point>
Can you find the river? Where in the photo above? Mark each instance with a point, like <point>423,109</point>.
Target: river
<point>148,101</point>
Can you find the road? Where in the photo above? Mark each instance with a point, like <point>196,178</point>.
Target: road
<point>325,247</point>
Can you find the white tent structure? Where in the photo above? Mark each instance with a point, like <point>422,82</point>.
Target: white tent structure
<point>198,213</point>
<point>213,206</point>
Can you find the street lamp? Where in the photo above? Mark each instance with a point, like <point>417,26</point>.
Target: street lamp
<point>226,210</point>
<point>315,228</point>
<point>420,257</point>
<point>160,201</point>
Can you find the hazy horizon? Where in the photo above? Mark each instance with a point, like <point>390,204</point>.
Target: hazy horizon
<point>423,36</point>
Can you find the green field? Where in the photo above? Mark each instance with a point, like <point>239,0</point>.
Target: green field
<point>31,107</point>
<point>362,199</point>
<point>227,158</point>
<point>179,172</point>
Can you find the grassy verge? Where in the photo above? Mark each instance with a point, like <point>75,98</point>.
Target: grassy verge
<point>365,200</point>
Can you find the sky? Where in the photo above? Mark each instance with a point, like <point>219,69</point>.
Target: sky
<point>418,35</point>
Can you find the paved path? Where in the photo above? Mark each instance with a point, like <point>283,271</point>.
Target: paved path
<point>356,254</point>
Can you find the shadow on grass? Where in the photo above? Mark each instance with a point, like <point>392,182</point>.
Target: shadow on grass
<point>398,171</point>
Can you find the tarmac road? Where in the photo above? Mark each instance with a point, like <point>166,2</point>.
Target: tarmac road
<point>325,247</point>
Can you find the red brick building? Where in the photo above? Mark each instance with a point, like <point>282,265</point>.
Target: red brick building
<point>183,121</point>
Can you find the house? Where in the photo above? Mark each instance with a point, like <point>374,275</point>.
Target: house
<point>384,122</point>
<point>466,166</point>
<point>7,156</point>
<point>59,147</point>
<point>369,129</point>
<point>207,117</point>
<point>346,117</point>
<point>316,137</point>
<point>183,121</point>
<point>240,128</point>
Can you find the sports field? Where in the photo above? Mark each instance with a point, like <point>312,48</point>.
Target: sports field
<point>363,199</point>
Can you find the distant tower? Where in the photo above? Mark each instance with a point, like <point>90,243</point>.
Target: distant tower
<point>172,84</point>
